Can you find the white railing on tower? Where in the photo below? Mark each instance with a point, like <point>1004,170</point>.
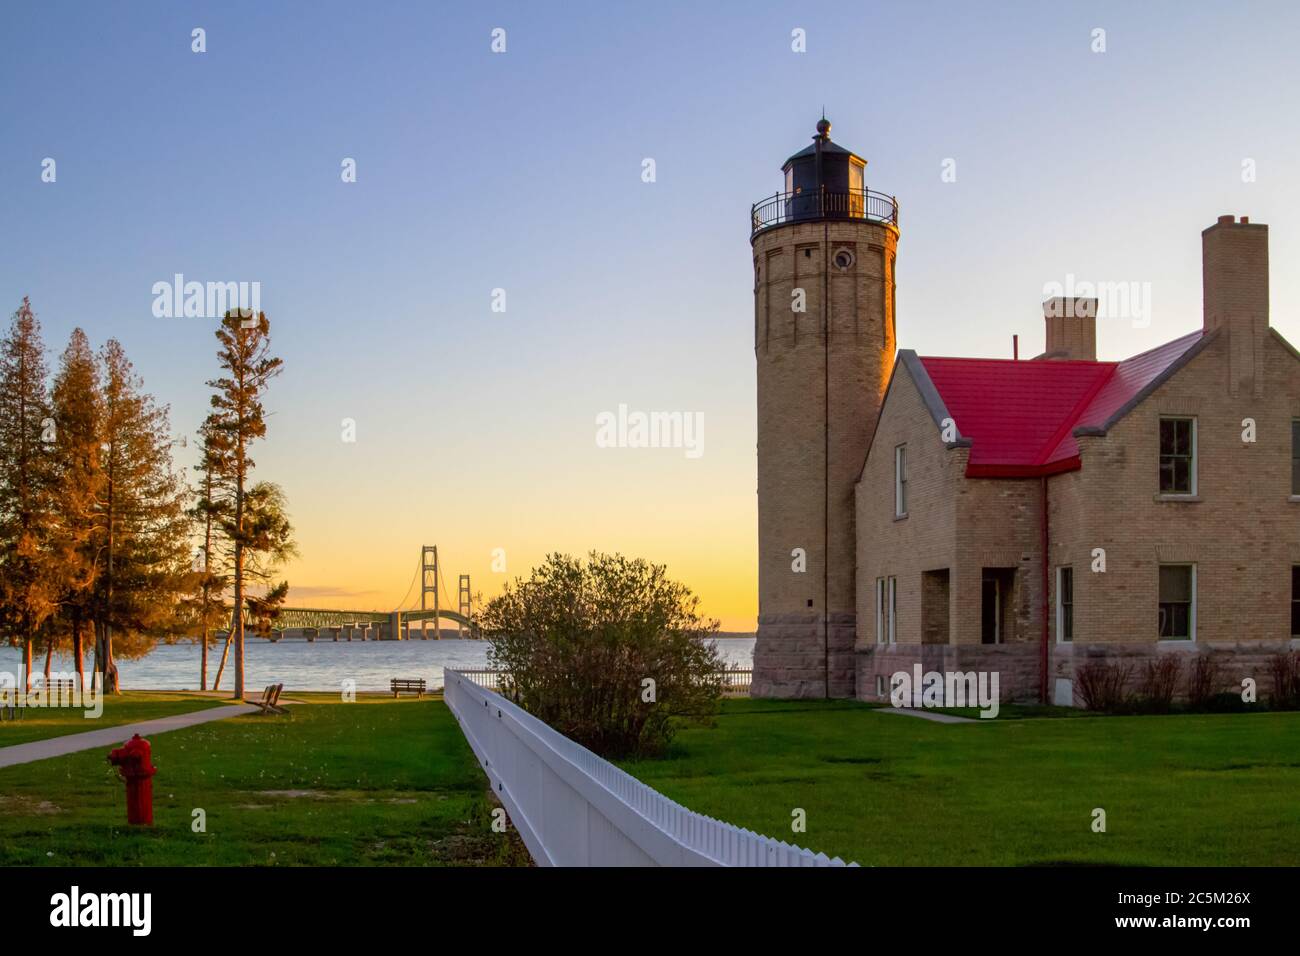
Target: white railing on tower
<point>573,808</point>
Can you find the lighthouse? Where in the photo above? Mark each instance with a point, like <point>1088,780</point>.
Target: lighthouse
<point>824,339</point>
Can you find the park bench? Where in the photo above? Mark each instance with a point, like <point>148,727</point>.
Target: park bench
<point>270,700</point>
<point>411,685</point>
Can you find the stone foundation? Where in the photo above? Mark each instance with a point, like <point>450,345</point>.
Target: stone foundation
<point>790,657</point>
<point>1017,665</point>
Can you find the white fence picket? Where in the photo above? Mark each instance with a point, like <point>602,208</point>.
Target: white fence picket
<point>571,808</point>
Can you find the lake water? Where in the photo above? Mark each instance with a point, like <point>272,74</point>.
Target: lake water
<point>322,665</point>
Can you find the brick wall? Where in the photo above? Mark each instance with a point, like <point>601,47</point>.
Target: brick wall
<point>790,655</point>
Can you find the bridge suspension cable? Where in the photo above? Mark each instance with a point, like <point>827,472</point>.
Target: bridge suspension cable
<point>411,587</point>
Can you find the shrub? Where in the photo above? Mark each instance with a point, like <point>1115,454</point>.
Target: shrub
<point>1204,683</point>
<point>1159,681</point>
<point>1101,684</point>
<point>1285,668</point>
<point>580,641</point>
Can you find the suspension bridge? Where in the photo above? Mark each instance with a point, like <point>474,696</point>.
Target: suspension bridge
<point>316,623</point>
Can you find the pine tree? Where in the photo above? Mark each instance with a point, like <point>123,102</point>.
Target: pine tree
<point>208,610</point>
<point>78,418</point>
<point>145,531</point>
<point>28,566</point>
<point>237,420</point>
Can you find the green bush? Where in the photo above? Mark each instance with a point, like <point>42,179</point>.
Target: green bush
<point>610,651</point>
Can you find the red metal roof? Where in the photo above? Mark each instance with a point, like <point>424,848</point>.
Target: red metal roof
<point>1019,416</point>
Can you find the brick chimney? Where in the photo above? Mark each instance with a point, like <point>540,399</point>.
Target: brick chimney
<point>1234,279</point>
<point>1234,272</point>
<point>1071,328</point>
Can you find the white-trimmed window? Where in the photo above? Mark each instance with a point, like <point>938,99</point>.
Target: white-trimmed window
<point>900,481</point>
<point>882,611</point>
<point>892,586</point>
<point>1178,456</point>
<point>1177,602</point>
<point>1064,604</point>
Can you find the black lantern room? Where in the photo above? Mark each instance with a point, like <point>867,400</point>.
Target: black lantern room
<point>824,167</point>
<point>824,181</point>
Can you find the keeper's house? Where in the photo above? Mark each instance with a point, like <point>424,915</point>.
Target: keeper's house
<point>1023,516</point>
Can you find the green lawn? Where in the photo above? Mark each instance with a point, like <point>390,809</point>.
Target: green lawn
<point>37,723</point>
<point>373,782</point>
<point>885,789</point>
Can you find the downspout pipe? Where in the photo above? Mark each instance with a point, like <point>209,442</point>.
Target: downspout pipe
<point>1043,542</point>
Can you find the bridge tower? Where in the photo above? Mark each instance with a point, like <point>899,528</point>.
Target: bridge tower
<point>429,586</point>
<point>463,600</point>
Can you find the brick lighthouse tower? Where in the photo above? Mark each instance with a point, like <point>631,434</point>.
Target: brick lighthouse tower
<point>824,338</point>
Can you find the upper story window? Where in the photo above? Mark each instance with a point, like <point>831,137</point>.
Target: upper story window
<point>1178,456</point>
<point>900,481</point>
<point>1295,456</point>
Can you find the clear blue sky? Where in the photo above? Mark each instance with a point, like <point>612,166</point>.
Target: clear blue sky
<point>523,171</point>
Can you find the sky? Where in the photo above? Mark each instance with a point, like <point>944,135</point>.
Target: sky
<point>1021,154</point>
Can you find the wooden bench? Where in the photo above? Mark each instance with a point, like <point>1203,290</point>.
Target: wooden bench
<point>269,703</point>
<point>60,690</point>
<point>411,685</point>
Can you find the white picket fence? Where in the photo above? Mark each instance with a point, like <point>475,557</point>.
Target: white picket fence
<point>573,808</point>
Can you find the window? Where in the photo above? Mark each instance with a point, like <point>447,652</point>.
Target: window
<point>1178,456</point>
<point>882,610</point>
<point>1295,459</point>
<point>886,610</point>
<point>900,481</point>
<point>1295,600</point>
<point>1064,604</point>
<point>843,259</point>
<point>892,585</point>
<point>1177,602</point>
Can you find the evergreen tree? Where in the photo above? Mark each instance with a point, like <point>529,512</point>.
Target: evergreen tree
<point>237,420</point>
<point>78,418</point>
<point>208,610</point>
<point>145,528</point>
<point>28,565</point>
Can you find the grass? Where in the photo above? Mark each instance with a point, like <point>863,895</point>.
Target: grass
<point>894,790</point>
<point>38,723</point>
<point>377,781</point>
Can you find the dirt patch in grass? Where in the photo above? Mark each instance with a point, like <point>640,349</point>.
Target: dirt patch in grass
<point>313,794</point>
<point>22,805</point>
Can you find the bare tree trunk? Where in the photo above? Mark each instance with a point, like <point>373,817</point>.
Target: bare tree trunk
<point>49,654</point>
<point>27,662</point>
<point>104,665</point>
<point>207,570</point>
<point>216,684</point>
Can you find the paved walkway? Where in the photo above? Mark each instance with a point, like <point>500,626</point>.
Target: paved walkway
<point>905,711</point>
<point>113,736</point>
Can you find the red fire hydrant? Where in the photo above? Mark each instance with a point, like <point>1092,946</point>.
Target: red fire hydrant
<point>133,762</point>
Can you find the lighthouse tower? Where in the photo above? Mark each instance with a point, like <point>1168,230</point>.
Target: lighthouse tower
<point>824,339</point>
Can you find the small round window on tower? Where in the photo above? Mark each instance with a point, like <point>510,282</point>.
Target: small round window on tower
<point>843,259</point>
